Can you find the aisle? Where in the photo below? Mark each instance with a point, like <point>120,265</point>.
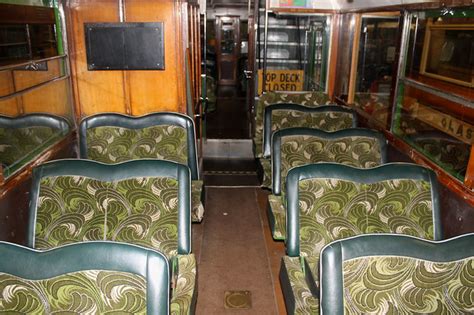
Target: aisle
<point>232,253</point>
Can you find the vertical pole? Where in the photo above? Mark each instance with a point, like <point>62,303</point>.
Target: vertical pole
<point>399,86</point>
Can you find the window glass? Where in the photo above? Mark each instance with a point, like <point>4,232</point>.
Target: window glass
<point>376,66</point>
<point>435,111</point>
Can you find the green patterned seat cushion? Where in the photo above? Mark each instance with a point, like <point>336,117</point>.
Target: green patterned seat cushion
<point>197,208</point>
<point>16,143</point>
<point>110,144</point>
<point>357,151</point>
<point>332,209</point>
<point>299,299</point>
<point>140,211</point>
<point>403,285</point>
<point>82,292</point>
<point>310,99</point>
<point>267,172</point>
<point>184,291</point>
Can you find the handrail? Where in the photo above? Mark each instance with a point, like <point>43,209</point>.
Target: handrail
<point>18,93</point>
<point>31,62</point>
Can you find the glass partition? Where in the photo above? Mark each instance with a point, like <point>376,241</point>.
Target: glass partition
<point>376,65</point>
<point>35,111</point>
<point>435,105</point>
<point>292,50</point>
<point>35,90</point>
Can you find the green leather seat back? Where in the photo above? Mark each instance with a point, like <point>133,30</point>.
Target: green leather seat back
<point>113,138</point>
<point>83,278</point>
<point>309,99</point>
<point>397,274</point>
<point>144,202</point>
<point>326,118</point>
<point>292,147</point>
<point>327,202</point>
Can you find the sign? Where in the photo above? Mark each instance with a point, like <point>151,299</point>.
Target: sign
<point>446,123</point>
<point>281,80</point>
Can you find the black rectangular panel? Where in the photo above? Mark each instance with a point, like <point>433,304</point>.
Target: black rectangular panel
<point>144,46</point>
<point>124,46</point>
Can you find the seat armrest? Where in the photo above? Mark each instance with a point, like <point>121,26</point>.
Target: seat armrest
<point>197,197</point>
<point>277,216</point>
<point>298,297</point>
<point>184,292</point>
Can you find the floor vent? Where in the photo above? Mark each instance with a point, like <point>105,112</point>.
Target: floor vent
<point>238,300</point>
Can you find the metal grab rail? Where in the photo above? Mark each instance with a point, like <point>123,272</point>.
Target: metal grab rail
<point>31,62</point>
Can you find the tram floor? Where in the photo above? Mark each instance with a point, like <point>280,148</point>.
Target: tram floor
<point>235,252</point>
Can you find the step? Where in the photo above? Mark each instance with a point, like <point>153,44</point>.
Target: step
<point>228,148</point>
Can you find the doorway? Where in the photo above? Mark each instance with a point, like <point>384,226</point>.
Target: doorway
<point>228,48</point>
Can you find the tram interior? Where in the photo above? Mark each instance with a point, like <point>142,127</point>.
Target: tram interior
<point>250,156</point>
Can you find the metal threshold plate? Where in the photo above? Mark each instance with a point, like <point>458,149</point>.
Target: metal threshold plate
<point>238,300</point>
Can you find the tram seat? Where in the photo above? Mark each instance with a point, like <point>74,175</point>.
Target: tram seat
<point>292,147</point>
<point>143,202</point>
<point>309,99</point>
<point>113,138</point>
<point>23,138</point>
<point>281,116</point>
<point>329,201</point>
<point>397,274</point>
<point>84,278</point>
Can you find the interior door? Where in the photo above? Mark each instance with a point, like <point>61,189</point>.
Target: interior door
<point>228,49</point>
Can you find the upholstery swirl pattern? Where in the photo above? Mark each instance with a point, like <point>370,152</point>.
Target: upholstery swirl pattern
<point>85,292</point>
<point>110,144</point>
<point>362,152</point>
<point>312,99</point>
<point>332,209</point>
<point>326,121</point>
<point>402,285</point>
<point>305,302</point>
<point>141,211</point>
<point>184,291</point>
<point>116,144</point>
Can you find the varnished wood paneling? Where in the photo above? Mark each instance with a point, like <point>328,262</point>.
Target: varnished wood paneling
<point>135,92</point>
<point>25,79</point>
<point>52,98</point>
<point>95,91</point>
<point>8,107</point>
<point>152,91</point>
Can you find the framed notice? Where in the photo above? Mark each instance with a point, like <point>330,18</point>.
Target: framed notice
<point>281,80</point>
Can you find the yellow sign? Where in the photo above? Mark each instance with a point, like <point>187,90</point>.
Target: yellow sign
<point>281,80</point>
<point>446,123</point>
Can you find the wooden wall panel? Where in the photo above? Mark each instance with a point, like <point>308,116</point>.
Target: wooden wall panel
<point>52,98</point>
<point>25,79</point>
<point>152,91</point>
<point>132,92</point>
<point>95,91</point>
<point>8,107</point>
